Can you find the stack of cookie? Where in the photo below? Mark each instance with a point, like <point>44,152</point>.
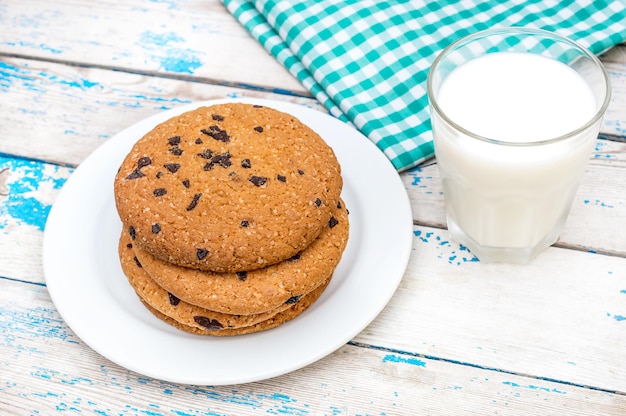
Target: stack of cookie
<point>232,218</point>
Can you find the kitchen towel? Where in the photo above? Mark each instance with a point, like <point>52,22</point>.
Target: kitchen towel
<point>367,61</point>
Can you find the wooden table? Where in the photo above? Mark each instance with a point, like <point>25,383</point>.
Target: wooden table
<point>458,336</point>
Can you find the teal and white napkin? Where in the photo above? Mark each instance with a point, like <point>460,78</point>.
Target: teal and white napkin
<point>366,61</point>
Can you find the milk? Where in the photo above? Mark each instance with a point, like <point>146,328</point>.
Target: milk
<point>507,201</point>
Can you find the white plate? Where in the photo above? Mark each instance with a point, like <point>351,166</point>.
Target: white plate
<point>87,285</point>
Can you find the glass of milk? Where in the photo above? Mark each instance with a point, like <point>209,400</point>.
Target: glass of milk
<point>515,114</point>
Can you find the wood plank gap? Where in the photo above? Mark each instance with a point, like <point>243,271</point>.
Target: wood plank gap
<point>12,279</point>
<point>588,249</point>
<point>155,74</point>
<point>612,138</point>
<point>482,367</point>
<point>33,159</point>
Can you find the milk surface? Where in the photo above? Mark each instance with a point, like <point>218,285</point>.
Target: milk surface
<point>519,97</point>
<point>502,200</point>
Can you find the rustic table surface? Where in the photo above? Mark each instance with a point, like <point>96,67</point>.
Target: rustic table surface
<point>458,336</point>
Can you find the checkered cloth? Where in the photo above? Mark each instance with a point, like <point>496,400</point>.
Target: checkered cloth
<point>366,61</point>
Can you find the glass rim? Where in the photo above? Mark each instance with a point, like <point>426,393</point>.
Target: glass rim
<point>521,30</point>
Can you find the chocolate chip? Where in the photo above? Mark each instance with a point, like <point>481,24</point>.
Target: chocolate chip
<point>159,174</point>
<point>257,106</point>
<point>242,275</point>
<point>223,160</point>
<point>137,262</point>
<point>246,164</point>
<point>174,301</point>
<point>199,141</point>
<point>338,204</point>
<point>258,180</point>
<point>144,161</point>
<point>244,223</point>
<point>318,202</point>
<point>217,133</point>
<point>217,117</point>
<point>194,202</point>
<point>208,323</point>
<point>332,222</point>
<point>176,151</point>
<point>186,183</point>
<point>141,163</point>
<point>281,178</point>
<point>135,174</point>
<point>129,245</point>
<point>300,171</point>
<point>293,300</point>
<point>159,191</point>
<point>259,129</point>
<point>201,253</point>
<point>131,231</point>
<point>156,228</point>
<point>172,167</point>
<point>206,154</point>
<point>174,140</point>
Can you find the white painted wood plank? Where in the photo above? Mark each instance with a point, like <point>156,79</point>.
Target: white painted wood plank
<point>27,192</point>
<point>562,317</point>
<point>614,122</point>
<point>48,369</point>
<point>62,113</point>
<point>197,38</point>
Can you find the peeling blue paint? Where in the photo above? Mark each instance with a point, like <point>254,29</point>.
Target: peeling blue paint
<point>533,387</point>
<point>160,39</point>
<point>178,60</point>
<point>37,322</point>
<point>14,76</point>
<point>618,318</point>
<point>454,256</point>
<point>171,58</point>
<point>597,202</point>
<point>397,359</point>
<point>24,179</point>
